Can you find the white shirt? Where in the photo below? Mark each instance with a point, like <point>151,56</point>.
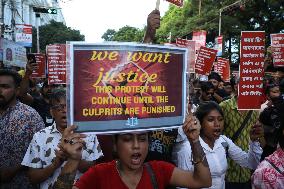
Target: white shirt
<point>41,152</point>
<point>216,157</point>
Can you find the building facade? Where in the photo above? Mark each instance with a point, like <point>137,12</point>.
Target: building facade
<point>15,12</point>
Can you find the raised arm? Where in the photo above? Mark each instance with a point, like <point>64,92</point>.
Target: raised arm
<point>251,158</point>
<point>153,23</point>
<point>201,176</point>
<point>72,144</point>
<point>24,86</point>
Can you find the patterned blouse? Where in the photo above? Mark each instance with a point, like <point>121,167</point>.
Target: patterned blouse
<point>17,127</point>
<point>266,176</point>
<point>41,152</point>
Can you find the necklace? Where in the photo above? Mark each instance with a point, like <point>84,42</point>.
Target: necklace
<point>117,165</point>
<point>119,170</point>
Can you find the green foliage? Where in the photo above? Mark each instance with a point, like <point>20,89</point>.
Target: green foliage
<point>251,15</point>
<point>108,35</point>
<point>55,32</point>
<point>126,34</point>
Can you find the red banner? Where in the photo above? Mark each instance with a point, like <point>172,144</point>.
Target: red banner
<point>204,61</point>
<point>178,3</point>
<point>200,38</point>
<point>190,45</point>
<point>251,70</point>
<point>222,67</point>
<point>277,46</point>
<point>39,72</point>
<point>56,63</point>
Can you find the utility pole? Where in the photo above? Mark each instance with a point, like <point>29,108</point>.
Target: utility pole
<point>199,7</point>
<point>3,2</point>
<point>37,32</point>
<point>227,8</point>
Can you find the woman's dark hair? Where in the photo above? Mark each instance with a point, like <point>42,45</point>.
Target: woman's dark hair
<point>16,77</point>
<point>205,108</point>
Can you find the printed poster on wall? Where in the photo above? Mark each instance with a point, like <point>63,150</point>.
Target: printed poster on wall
<point>13,54</point>
<point>190,45</point>
<point>251,70</point>
<point>40,70</point>
<point>277,47</point>
<point>219,45</point>
<point>56,63</point>
<point>120,87</point>
<point>204,61</point>
<point>23,35</point>
<point>200,38</point>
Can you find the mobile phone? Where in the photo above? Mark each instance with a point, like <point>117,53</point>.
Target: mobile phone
<point>31,58</point>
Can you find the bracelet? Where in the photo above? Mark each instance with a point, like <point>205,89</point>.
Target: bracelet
<point>196,162</point>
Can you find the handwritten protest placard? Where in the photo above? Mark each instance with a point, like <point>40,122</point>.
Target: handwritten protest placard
<point>40,70</point>
<point>204,61</point>
<point>56,63</point>
<point>251,70</point>
<point>119,87</point>
<point>277,47</point>
<point>222,66</point>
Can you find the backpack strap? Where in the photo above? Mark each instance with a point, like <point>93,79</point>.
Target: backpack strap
<point>226,146</point>
<point>241,128</point>
<point>275,167</point>
<point>152,175</point>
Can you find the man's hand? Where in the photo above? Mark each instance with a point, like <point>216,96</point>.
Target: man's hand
<point>153,23</point>
<point>257,134</point>
<point>60,157</point>
<point>72,143</point>
<point>30,67</point>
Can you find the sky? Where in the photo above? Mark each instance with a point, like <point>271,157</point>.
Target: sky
<point>94,17</point>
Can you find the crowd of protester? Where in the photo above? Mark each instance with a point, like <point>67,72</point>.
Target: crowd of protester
<point>217,147</point>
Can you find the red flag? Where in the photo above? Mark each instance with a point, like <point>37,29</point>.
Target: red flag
<point>178,3</point>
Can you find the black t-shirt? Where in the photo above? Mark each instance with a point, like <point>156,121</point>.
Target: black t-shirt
<point>43,108</point>
<point>161,144</point>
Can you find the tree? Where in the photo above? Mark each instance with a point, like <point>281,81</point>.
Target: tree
<point>108,35</point>
<point>55,32</point>
<point>126,33</point>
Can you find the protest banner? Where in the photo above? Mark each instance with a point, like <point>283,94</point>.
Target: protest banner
<point>219,45</point>
<point>277,47</point>
<point>178,3</point>
<point>204,61</point>
<point>40,70</point>
<point>23,35</point>
<point>251,70</point>
<point>13,54</point>
<point>190,45</point>
<point>120,87</point>
<point>56,63</point>
<point>222,67</point>
<point>200,38</point>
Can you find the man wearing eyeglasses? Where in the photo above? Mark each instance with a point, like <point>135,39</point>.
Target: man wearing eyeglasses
<point>43,156</point>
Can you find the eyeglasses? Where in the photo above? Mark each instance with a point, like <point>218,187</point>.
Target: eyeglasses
<point>59,107</point>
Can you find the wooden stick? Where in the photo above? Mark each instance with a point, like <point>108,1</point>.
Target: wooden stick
<point>158,5</point>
